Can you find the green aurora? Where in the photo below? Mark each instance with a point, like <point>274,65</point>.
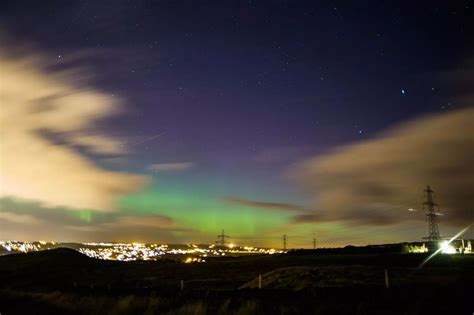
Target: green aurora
<point>201,210</point>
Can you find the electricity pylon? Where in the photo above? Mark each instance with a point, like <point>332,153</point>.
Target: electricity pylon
<point>221,241</point>
<point>432,216</point>
<point>284,241</point>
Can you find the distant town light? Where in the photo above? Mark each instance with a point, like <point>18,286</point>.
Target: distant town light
<point>139,251</point>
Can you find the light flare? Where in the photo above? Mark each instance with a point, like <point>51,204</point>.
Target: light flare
<point>446,244</point>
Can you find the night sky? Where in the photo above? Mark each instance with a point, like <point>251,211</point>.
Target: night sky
<point>168,121</point>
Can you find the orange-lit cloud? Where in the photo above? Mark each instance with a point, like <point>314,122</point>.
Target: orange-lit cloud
<point>150,221</point>
<point>376,181</point>
<point>33,220</point>
<point>14,218</point>
<point>45,116</point>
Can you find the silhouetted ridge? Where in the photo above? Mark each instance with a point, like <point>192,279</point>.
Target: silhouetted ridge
<point>49,256</point>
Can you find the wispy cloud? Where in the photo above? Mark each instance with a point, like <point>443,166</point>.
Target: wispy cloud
<point>32,220</point>
<point>153,221</point>
<point>460,81</point>
<point>24,219</point>
<point>376,181</point>
<point>276,206</point>
<point>45,115</point>
<point>163,167</point>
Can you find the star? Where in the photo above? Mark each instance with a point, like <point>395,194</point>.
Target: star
<point>403,91</point>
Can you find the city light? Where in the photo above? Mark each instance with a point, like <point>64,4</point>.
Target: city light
<point>139,251</point>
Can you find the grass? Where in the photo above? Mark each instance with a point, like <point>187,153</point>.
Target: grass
<point>65,282</point>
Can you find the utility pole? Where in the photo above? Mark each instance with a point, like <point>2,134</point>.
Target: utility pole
<point>431,215</point>
<point>314,243</point>
<point>284,242</point>
<point>221,241</point>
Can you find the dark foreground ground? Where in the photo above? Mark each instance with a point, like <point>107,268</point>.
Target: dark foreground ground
<point>62,281</point>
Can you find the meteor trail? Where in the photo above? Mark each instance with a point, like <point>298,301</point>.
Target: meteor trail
<point>147,139</point>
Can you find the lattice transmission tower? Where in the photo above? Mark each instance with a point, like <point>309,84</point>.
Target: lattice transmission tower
<point>432,215</point>
<point>285,241</point>
<point>222,239</point>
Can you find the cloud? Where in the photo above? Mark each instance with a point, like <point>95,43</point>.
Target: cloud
<point>459,82</point>
<point>47,115</point>
<point>163,167</point>
<point>98,143</point>
<point>25,219</point>
<point>149,228</point>
<point>120,223</point>
<point>55,215</point>
<point>150,221</point>
<point>263,204</point>
<point>65,224</point>
<point>376,181</point>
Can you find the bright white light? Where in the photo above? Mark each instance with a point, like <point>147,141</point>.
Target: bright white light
<point>439,249</point>
<point>231,245</point>
<point>447,248</point>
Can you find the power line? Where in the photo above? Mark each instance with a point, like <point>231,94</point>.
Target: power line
<point>348,234</point>
<point>362,235</point>
<point>305,237</point>
<point>256,237</point>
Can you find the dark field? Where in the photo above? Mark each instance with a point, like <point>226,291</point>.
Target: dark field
<point>63,281</point>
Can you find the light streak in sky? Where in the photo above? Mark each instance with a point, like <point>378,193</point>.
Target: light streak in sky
<point>147,139</point>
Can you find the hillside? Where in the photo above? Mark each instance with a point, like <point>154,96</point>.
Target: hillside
<point>64,281</point>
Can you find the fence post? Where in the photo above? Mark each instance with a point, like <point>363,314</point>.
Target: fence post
<point>259,281</point>
<point>387,280</point>
<point>182,285</point>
